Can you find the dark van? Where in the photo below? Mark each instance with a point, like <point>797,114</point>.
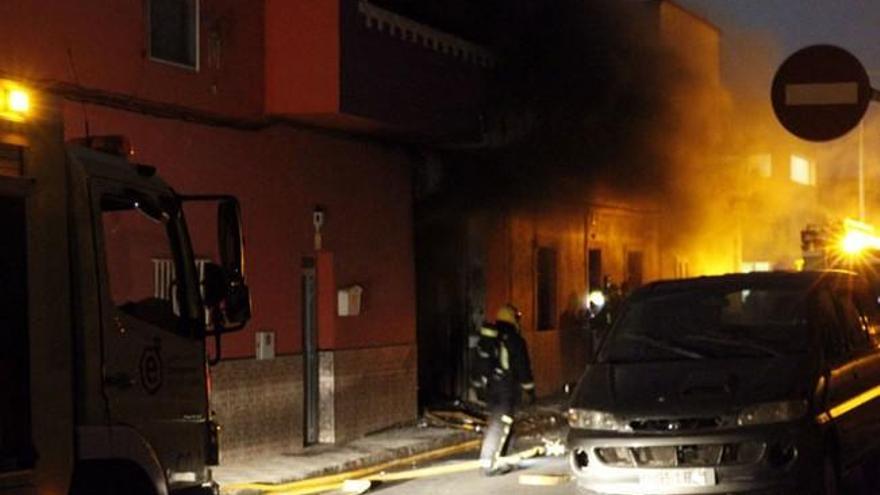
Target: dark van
<point>761,383</point>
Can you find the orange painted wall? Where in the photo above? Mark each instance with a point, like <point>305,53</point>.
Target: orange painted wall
<point>302,56</point>
<point>103,45</point>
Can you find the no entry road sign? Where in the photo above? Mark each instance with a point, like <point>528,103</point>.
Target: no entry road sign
<point>821,92</point>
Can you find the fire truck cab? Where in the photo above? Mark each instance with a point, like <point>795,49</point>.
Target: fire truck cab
<point>103,363</point>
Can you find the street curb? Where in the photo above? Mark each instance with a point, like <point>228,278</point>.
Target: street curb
<point>367,461</point>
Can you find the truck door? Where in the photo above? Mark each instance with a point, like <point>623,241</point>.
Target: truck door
<point>153,363</point>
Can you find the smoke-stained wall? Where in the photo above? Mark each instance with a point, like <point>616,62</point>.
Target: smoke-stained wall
<point>604,135</point>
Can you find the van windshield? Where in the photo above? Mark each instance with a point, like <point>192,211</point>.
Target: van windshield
<point>716,323</point>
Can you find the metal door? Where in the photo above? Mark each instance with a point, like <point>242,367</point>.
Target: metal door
<point>310,350</point>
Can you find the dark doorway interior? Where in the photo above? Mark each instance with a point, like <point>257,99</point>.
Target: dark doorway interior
<point>441,311</point>
<point>16,452</point>
<point>635,268</point>
<point>595,269</point>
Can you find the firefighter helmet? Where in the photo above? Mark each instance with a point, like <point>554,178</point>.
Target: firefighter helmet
<point>508,313</point>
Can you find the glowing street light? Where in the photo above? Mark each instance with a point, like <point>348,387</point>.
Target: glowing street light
<point>15,102</point>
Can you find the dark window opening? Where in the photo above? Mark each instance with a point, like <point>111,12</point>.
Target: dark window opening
<point>174,31</point>
<point>595,269</point>
<point>634,269</point>
<point>547,267</point>
<point>16,451</point>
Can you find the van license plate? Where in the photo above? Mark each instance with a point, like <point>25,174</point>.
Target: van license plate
<point>678,477</point>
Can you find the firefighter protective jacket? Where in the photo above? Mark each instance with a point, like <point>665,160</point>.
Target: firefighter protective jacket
<point>502,366</point>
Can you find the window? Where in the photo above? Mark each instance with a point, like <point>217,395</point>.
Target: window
<point>824,319</point>
<point>547,266</point>
<point>803,171</point>
<point>761,165</point>
<point>869,311</point>
<point>133,237</point>
<point>699,321</point>
<point>595,269</point>
<point>635,263</point>
<point>15,430</point>
<point>854,328</point>
<point>682,267</point>
<point>174,31</point>
<point>755,266</point>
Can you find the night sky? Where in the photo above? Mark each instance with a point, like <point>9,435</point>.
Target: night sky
<point>792,24</point>
<point>757,35</point>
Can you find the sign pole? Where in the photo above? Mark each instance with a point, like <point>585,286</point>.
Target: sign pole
<point>862,212</point>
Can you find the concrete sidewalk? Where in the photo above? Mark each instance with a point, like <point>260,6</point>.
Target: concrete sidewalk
<point>321,460</point>
<point>374,449</point>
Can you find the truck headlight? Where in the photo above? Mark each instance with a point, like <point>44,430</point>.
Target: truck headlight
<point>772,412</point>
<point>587,419</point>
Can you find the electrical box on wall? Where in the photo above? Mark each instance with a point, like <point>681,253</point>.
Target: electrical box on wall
<point>348,300</point>
<point>265,345</point>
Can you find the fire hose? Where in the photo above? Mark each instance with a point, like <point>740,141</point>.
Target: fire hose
<point>528,423</point>
<point>361,480</point>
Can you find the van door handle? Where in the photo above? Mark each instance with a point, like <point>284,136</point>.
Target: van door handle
<point>119,380</point>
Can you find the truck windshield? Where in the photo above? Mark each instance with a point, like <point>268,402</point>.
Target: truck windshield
<point>142,261</point>
<point>710,324</point>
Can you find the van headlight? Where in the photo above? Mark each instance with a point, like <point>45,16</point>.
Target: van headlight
<point>588,419</point>
<point>772,412</point>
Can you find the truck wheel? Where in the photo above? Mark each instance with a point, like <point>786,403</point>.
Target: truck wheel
<point>109,478</point>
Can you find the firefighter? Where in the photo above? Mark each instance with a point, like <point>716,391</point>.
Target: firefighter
<point>504,373</point>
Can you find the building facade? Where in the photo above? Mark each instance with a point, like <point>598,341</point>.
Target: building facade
<point>295,108</point>
<point>546,245</point>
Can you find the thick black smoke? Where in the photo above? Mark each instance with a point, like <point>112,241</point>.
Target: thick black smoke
<point>579,102</point>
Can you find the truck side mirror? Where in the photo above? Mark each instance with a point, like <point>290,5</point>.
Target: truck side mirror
<point>213,285</point>
<point>236,300</point>
<point>224,290</point>
<point>229,236</point>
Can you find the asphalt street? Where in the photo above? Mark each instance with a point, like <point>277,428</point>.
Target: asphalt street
<point>473,482</point>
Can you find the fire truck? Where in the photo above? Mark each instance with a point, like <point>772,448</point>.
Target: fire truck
<point>106,320</point>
